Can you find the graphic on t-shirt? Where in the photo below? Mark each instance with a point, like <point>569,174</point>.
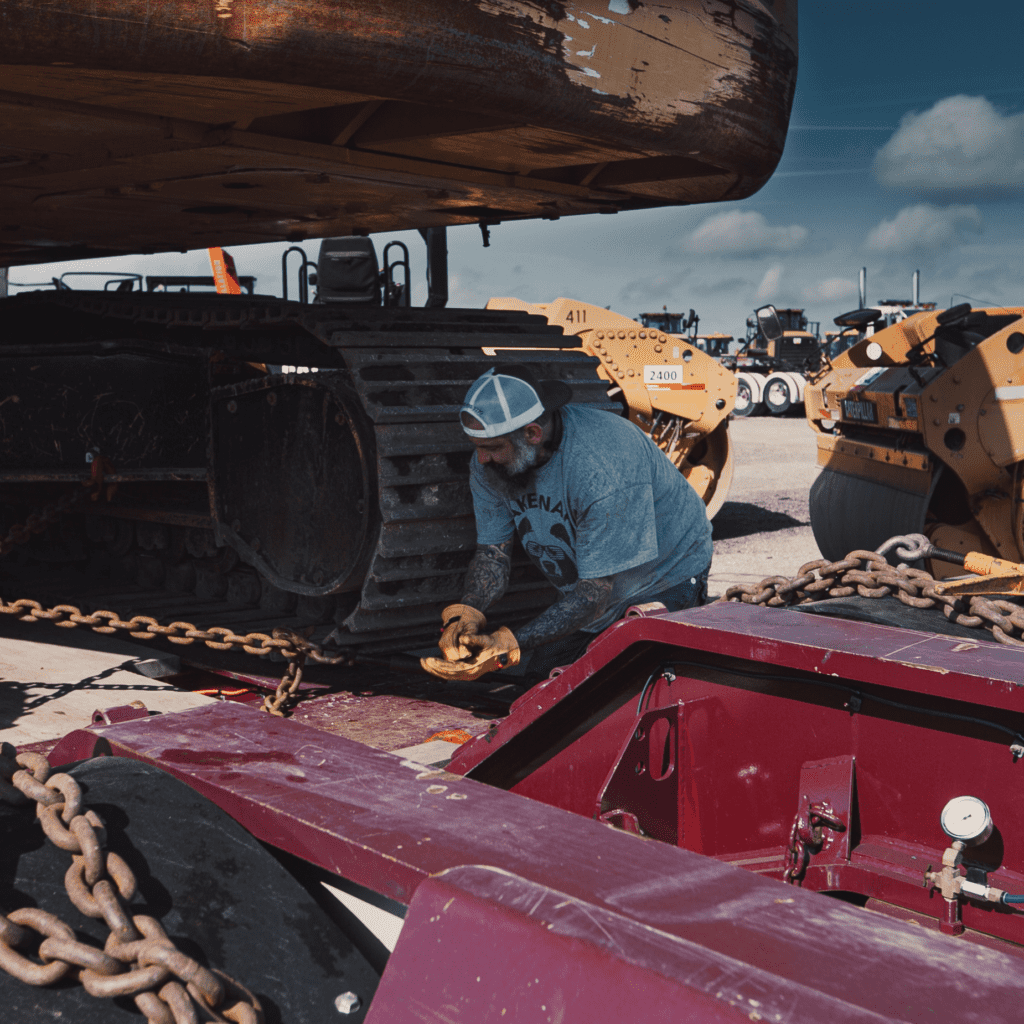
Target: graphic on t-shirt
<point>554,560</point>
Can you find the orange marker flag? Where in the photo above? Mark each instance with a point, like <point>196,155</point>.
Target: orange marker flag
<point>224,276</point>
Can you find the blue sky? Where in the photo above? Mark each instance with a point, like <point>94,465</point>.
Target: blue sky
<point>905,151</point>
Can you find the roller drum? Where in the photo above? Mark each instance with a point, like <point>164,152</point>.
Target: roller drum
<point>851,513</point>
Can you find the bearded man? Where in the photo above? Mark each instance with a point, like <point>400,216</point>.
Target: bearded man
<point>599,509</point>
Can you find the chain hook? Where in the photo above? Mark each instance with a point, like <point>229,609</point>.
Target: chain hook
<point>911,547</point>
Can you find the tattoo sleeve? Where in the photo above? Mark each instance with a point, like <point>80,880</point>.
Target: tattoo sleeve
<point>585,602</point>
<point>487,576</point>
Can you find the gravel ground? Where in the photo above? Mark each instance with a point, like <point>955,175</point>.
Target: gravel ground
<point>764,527</point>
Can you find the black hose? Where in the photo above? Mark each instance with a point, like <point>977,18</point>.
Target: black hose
<point>947,556</point>
<point>857,697</point>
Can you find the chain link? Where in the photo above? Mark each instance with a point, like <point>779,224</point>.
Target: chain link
<point>287,642</point>
<point>138,959</point>
<point>42,519</point>
<point>868,574</point>
<point>287,689</point>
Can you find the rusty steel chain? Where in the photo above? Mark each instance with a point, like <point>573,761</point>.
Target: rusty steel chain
<point>287,642</point>
<point>868,574</point>
<point>42,519</point>
<point>287,689</point>
<point>138,959</point>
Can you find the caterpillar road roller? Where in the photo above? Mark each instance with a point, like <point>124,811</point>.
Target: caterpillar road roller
<point>668,387</point>
<point>919,429</point>
<point>865,320</point>
<point>336,500</point>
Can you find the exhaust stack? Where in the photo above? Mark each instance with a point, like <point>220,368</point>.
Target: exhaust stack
<point>917,287</point>
<point>863,287</point>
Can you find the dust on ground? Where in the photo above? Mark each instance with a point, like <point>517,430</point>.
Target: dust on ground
<point>763,529</point>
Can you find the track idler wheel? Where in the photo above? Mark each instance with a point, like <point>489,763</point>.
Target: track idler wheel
<point>295,489</point>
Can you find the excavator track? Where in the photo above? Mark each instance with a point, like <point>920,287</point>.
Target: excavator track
<point>238,494</point>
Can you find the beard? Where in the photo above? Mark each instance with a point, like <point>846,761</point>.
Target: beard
<point>517,476</point>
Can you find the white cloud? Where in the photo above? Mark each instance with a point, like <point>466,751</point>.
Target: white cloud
<point>650,289</point>
<point>963,142</point>
<point>769,285</point>
<point>467,288</point>
<point>924,227</point>
<point>834,289</point>
<point>743,233</point>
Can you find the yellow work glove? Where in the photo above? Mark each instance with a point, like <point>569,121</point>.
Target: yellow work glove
<point>494,651</point>
<point>459,620</point>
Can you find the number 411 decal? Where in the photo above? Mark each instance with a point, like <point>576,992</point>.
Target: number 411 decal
<point>580,316</point>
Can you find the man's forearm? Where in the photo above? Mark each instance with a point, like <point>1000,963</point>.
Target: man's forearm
<point>587,601</point>
<point>487,576</point>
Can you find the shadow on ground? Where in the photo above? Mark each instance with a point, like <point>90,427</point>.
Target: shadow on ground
<point>741,519</point>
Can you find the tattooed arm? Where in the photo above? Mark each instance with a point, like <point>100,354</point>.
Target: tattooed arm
<point>584,603</point>
<point>488,574</point>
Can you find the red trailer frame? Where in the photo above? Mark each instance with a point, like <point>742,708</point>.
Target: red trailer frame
<point>521,910</point>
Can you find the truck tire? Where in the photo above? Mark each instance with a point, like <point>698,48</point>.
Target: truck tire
<point>778,394</point>
<point>745,404</point>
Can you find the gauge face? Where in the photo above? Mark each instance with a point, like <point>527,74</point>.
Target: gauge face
<point>967,818</point>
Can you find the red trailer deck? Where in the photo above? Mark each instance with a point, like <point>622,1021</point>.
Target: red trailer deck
<point>715,735</point>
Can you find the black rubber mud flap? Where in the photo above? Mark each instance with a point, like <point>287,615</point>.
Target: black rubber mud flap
<point>887,611</point>
<point>219,894</point>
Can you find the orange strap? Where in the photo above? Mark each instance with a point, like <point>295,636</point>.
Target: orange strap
<point>224,277</point>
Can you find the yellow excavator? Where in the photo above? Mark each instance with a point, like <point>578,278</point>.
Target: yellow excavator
<point>670,388</point>
<point>919,429</point>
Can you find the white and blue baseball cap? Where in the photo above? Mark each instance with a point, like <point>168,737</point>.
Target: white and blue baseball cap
<point>506,398</point>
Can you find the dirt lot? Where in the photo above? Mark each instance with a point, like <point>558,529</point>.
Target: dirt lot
<point>764,527</point>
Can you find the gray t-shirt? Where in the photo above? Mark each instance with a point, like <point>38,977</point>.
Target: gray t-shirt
<point>607,503</point>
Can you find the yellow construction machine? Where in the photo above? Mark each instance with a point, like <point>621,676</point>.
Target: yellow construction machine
<point>670,388</point>
<point>920,429</point>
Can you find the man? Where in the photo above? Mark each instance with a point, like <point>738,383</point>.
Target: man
<point>599,509</point>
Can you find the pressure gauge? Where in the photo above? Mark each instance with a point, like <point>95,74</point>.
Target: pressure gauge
<point>967,818</point>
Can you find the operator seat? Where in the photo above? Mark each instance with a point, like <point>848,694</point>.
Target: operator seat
<point>348,272</point>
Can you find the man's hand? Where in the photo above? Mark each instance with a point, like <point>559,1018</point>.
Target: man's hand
<point>460,620</point>
<point>494,651</point>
